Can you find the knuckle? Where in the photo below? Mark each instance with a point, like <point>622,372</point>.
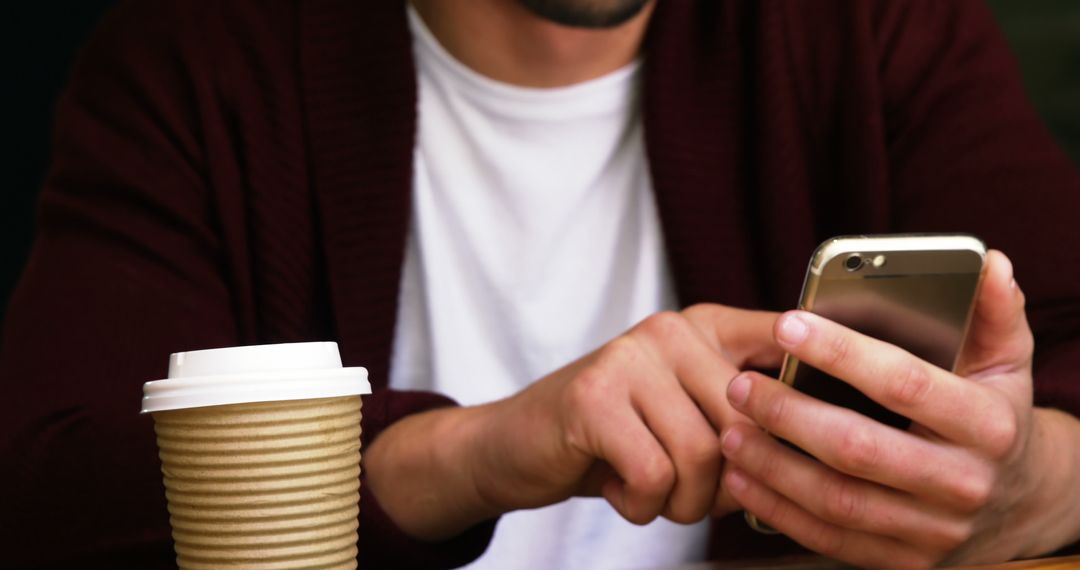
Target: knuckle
<point>973,493</point>
<point>590,389</point>
<point>700,451</point>
<point>619,353</point>
<point>655,476</point>
<point>775,512</point>
<point>777,414</point>
<point>1024,340</point>
<point>641,513</point>
<point>708,315</point>
<point>1027,342</point>
<point>952,536</point>
<point>826,540</point>
<point>859,452</point>
<point>837,351</point>
<point>770,470</point>
<point>700,311</point>
<point>843,504</point>
<point>714,323</point>
<point>688,514</point>
<point>679,516</point>
<point>909,386</point>
<point>1000,434</point>
<point>664,326</point>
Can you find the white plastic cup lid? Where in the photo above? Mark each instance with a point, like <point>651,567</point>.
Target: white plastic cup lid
<point>246,374</point>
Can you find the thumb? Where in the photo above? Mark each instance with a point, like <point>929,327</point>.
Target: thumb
<point>745,337</point>
<point>999,336</point>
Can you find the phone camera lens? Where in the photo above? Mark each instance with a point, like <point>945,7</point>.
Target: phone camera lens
<point>853,262</point>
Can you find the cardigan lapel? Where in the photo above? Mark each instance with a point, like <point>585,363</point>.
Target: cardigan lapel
<point>694,113</point>
<point>698,134</point>
<point>360,99</point>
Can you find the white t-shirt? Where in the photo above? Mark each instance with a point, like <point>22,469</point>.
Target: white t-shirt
<point>534,240</point>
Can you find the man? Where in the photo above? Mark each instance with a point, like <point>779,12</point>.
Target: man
<point>231,174</point>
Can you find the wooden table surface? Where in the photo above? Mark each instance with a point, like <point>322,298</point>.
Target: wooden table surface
<point>818,563</point>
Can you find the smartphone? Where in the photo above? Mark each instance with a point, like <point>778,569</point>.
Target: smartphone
<point>916,291</point>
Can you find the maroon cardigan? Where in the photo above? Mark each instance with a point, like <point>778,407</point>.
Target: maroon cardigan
<point>238,172</point>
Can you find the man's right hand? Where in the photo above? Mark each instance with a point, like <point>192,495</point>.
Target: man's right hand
<point>636,421</point>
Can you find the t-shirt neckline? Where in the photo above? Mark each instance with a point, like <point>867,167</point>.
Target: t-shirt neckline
<point>611,93</point>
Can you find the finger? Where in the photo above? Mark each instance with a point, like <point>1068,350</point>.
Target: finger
<point>744,336</point>
<point>686,413</point>
<point>845,501</point>
<point>958,410</point>
<point>861,447</point>
<point>854,547</point>
<point>605,425</point>
<point>724,503</point>
<point>645,472</point>
<point>703,373</point>
<point>690,442</point>
<point>592,483</point>
<point>999,335</point>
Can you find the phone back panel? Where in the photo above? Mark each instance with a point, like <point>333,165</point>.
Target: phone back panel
<point>915,292</point>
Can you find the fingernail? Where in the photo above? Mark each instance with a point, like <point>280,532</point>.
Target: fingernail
<point>739,390</point>
<point>793,329</point>
<point>736,481</point>
<point>731,441</point>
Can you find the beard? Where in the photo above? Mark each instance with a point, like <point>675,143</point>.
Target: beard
<point>586,13</point>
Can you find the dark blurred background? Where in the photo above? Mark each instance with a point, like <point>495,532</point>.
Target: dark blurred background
<point>44,36</point>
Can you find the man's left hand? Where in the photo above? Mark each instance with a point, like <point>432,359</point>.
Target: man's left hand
<point>976,478</point>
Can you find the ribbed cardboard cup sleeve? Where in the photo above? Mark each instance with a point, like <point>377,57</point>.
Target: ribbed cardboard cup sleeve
<point>270,485</point>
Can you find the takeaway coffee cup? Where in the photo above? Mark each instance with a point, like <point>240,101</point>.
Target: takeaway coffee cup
<point>260,452</point>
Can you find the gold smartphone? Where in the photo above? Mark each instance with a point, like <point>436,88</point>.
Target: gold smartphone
<point>916,291</point>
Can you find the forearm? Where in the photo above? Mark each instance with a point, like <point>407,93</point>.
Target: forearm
<point>420,468</point>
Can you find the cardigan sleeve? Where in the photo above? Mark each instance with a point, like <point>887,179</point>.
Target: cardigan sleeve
<point>968,153</point>
<point>125,268</point>
<point>130,264</point>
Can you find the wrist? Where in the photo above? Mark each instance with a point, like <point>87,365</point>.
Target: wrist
<point>519,459</point>
<point>465,459</point>
<point>1054,515</point>
<point>420,469</point>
